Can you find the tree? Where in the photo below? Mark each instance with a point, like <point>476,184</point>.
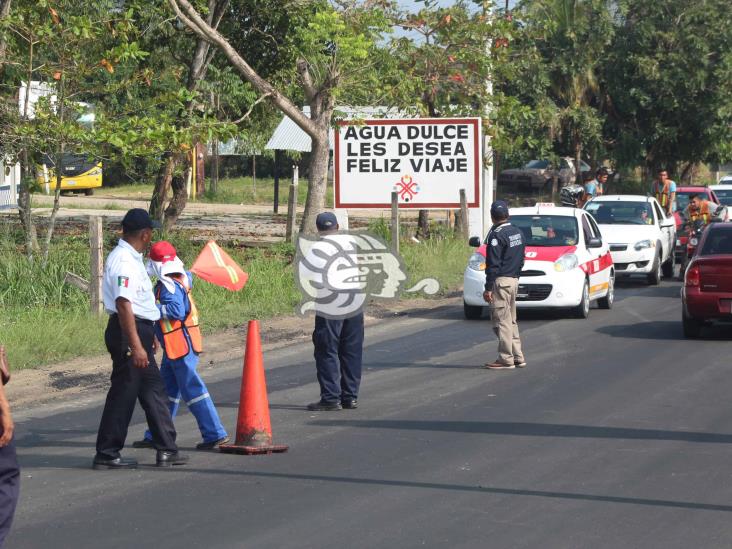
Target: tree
<point>333,48</point>
<point>668,76</point>
<point>571,36</point>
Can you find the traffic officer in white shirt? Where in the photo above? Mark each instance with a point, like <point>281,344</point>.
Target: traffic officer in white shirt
<point>129,300</point>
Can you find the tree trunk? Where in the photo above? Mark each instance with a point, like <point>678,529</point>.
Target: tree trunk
<point>4,12</point>
<point>162,185</point>
<point>423,224</point>
<point>177,203</point>
<point>578,161</point>
<point>317,181</point>
<point>686,174</point>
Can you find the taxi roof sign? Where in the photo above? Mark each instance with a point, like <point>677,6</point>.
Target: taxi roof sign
<point>545,205</point>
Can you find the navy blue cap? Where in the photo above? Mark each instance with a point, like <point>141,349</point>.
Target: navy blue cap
<point>326,221</point>
<point>499,209</point>
<point>137,219</point>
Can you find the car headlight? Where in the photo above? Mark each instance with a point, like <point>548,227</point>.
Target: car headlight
<point>644,244</point>
<point>477,262</point>
<point>566,263</point>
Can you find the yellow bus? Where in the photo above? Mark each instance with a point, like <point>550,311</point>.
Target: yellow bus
<point>78,173</point>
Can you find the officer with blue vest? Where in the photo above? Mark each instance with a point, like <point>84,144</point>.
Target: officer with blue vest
<point>180,336</point>
<point>505,259</point>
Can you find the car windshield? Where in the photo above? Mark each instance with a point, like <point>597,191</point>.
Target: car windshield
<point>621,213</point>
<point>719,241</point>
<point>547,230</point>
<point>724,195</point>
<point>536,165</point>
<point>682,199</point>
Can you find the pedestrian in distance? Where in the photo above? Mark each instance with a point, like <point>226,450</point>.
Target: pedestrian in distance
<point>505,260</point>
<point>338,342</point>
<point>664,189</point>
<point>179,334</point>
<point>129,300</point>
<point>9,468</point>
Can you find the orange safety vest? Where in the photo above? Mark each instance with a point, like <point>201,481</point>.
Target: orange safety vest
<point>174,331</point>
<point>702,212</point>
<point>662,195</point>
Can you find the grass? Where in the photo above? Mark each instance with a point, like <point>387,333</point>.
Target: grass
<point>45,320</point>
<point>238,190</point>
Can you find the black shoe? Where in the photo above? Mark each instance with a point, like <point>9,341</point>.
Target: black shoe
<point>349,404</point>
<point>166,458</point>
<point>211,445</point>
<point>144,443</point>
<point>116,463</point>
<point>324,406</point>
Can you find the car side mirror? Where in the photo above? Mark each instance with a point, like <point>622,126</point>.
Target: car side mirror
<point>474,242</point>
<point>594,242</point>
<point>668,222</point>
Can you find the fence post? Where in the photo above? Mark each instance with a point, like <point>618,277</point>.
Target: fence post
<point>97,264</point>
<point>395,222</point>
<point>292,205</point>
<point>464,214</point>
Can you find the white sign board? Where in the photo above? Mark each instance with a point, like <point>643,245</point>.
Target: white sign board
<point>425,160</point>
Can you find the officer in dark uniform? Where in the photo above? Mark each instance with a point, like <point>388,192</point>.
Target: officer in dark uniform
<point>338,341</point>
<point>505,259</point>
<point>129,300</point>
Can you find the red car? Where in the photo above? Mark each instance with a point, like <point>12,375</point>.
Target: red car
<point>683,195</point>
<point>707,291</point>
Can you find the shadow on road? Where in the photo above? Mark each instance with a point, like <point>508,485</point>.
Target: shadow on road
<point>666,289</point>
<point>659,329</point>
<point>464,488</point>
<point>533,430</point>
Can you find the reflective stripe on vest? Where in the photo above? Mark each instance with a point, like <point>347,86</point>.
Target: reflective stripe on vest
<point>663,195</point>
<point>702,213</point>
<point>174,331</point>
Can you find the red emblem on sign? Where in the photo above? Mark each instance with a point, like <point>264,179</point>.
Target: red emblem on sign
<point>407,188</point>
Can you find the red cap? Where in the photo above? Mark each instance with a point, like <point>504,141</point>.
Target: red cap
<point>162,252</point>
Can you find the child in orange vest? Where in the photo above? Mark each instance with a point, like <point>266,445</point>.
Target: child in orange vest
<point>179,334</point>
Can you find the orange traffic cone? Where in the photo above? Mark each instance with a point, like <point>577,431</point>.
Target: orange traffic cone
<point>253,428</point>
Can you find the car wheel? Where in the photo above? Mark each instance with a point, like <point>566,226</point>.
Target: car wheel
<point>691,326</point>
<point>583,309</point>
<point>88,192</point>
<point>670,266</point>
<point>654,277</point>
<point>472,312</point>
<point>607,301</point>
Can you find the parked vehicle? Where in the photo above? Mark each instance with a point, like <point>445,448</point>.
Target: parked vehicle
<point>567,263</point>
<point>537,175</point>
<point>724,191</point>
<point>640,235</point>
<point>707,292</point>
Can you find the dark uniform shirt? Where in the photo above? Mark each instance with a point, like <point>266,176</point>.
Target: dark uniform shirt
<point>505,245</point>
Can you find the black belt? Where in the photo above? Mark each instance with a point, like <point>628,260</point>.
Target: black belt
<point>137,319</point>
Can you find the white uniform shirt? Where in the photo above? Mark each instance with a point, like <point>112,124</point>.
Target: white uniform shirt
<point>125,276</point>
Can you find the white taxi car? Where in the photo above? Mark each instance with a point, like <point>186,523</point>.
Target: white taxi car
<point>567,264</point>
<point>641,237</point>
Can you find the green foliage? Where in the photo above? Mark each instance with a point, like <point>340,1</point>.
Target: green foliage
<point>668,73</point>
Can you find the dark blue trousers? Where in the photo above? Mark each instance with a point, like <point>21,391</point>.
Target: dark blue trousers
<point>9,488</point>
<point>338,356</point>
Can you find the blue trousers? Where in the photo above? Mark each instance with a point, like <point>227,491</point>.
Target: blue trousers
<point>9,488</point>
<point>182,381</point>
<point>338,356</point>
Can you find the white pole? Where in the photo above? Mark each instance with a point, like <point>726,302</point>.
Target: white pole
<point>488,191</point>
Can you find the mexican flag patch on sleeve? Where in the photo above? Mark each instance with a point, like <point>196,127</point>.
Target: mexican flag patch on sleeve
<point>123,281</point>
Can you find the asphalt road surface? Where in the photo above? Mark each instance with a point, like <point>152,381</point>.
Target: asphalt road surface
<point>618,434</point>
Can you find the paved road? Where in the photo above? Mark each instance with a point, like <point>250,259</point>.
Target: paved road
<point>610,438</point>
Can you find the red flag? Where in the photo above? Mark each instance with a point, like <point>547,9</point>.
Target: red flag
<point>215,266</point>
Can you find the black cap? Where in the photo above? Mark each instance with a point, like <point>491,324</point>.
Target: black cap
<point>137,219</point>
<point>326,221</point>
<point>499,209</point>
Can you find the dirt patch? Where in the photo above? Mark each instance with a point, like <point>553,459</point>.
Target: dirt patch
<point>90,375</point>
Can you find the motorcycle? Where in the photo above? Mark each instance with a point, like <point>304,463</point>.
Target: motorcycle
<point>571,195</point>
